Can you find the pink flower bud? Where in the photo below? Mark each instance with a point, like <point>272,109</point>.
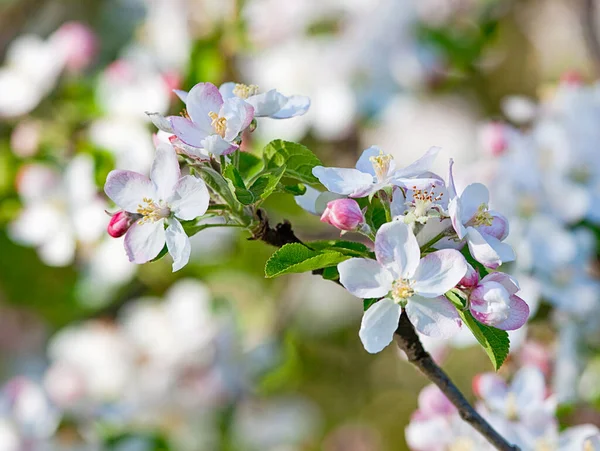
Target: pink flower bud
<point>471,278</point>
<point>119,224</point>
<point>79,44</point>
<point>571,78</point>
<point>494,137</point>
<point>344,214</point>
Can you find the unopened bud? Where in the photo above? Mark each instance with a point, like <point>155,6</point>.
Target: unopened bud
<point>571,78</point>
<point>79,44</point>
<point>471,278</point>
<point>119,224</point>
<point>494,138</point>
<point>344,214</point>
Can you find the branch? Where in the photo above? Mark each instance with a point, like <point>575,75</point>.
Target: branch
<point>407,340</point>
<point>590,34</point>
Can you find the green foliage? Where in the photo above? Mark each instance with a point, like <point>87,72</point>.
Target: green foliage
<point>368,303</point>
<point>259,190</point>
<point>297,258</point>
<point>249,165</point>
<point>375,215</point>
<point>219,185</point>
<point>298,159</point>
<point>495,342</point>
<point>351,248</point>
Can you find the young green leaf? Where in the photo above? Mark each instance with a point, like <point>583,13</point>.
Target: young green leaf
<point>266,184</point>
<point>299,160</point>
<point>351,248</point>
<point>297,258</point>
<point>237,185</point>
<point>495,342</point>
<point>217,183</point>
<point>249,165</point>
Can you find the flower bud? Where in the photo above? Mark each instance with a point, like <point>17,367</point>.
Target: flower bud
<point>79,44</point>
<point>344,214</point>
<point>494,138</point>
<point>471,278</point>
<point>119,224</point>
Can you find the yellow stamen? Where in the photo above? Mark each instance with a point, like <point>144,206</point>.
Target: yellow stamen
<point>401,290</point>
<point>219,123</point>
<point>152,212</point>
<point>244,91</point>
<point>462,444</point>
<point>381,164</point>
<point>483,216</point>
<point>512,408</point>
<point>185,114</point>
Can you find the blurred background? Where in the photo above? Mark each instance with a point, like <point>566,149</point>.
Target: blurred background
<point>97,353</point>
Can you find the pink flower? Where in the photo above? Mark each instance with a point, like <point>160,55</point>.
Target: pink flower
<point>119,223</point>
<point>344,214</point>
<point>494,138</point>
<point>79,44</point>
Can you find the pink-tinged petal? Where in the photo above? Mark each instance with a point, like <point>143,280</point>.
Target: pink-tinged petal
<point>455,212</point>
<point>365,278</point>
<point>529,387</point>
<point>378,325</point>
<point>491,388</point>
<point>517,316</point>
<point>178,244</point>
<point>226,90</point>
<point>569,439</point>
<point>190,198</point>
<point>295,106</point>
<point>420,166</point>
<point>433,402</point>
<point>415,183</point>
<point>398,203</point>
<point>471,278</point>
<point>507,281</point>
<point>161,122</point>
<point>188,132</point>
<point>181,94</point>
<point>474,195</point>
<point>165,171</point>
<point>439,272</point>
<point>450,186</point>
<point>490,303</point>
<point>433,434</point>
<point>267,103</point>
<point>349,182</point>
<point>144,241</point>
<point>364,163</point>
<point>487,250</point>
<point>216,145</point>
<point>434,317</point>
<point>127,189</point>
<point>239,114</point>
<point>397,249</point>
<point>203,99</point>
<point>499,228</point>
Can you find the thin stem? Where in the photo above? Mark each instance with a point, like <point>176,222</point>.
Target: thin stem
<point>407,340</point>
<point>434,240</point>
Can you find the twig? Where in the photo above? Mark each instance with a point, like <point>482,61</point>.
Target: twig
<point>590,33</point>
<point>407,340</point>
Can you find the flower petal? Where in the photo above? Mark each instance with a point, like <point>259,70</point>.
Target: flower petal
<point>295,106</point>
<point>436,318</point>
<point>350,182</point>
<point>398,203</point>
<point>216,145</point>
<point>529,387</point>
<point>378,325</point>
<point>203,99</point>
<point>420,166</point>
<point>160,122</point>
<point>178,244</point>
<point>450,186</point>
<point>188,131</point>
<point>507,281</point>
<point>226,90</point>
<point>415,183</point>
<point>190,198</point>
<point>517,315</point>
<point>474,195</point>
<point>364,163</point>
<point>439,272</point>
<point>487,250</point>
<point>267,103</point>
<point>239,114</point>
<point>397,249</point>
<point>165,171</point>
<point>143,242</point>
<point>365,278</point>
<point>433,402</point>
<point>455,212</point>
<point>181,94</point>
<point>127,189</point>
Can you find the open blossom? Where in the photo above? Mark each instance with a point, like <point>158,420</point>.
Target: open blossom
<point>376,170</point>
<point>344,214</point>
<point>160,201</point>
<point>271,104</point>
<point>481,228</point>
<point>493,300</point>
<point>404,280</point>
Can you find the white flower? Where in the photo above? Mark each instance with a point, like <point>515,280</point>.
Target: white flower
<point>376,170</point>
<point>160,200</point>
<point>403,279</point>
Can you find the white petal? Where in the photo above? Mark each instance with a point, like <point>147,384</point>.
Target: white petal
<point>529,387</point>
<point>165,171</point>
<point>239,114</point>
<point>189,132</point>
<point>365,278</point>
<point>420,166</point>
<point>435,317</point>
<point>267,103</point>
<point>143,242</point>
<point>482,250</point>
<point>431,434</point>
<point>471,199</point>
<point>295,106</point>
<point>59,249</point>
<point>216,145</point>
<point>190,198</point>
<point>450,186</point>
<point>507,281</point>
<point>439,272</point>
<point>226,90</point>
<point>378,325</point>
<point>178,244</point>
<point>398,204</point>
<point>181,94</point>
<point>397,249</point>
<point>350,182</point>
<point>364,163</point>
<point>160,122</point>
<point>127,189</point>
<point>203,99</point>
<point>455,213</point>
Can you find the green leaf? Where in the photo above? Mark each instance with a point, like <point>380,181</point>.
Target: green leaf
<point>330,273</point>
<point>368,303</point>
<point>264,185</point>
<point>351,248</point>
<point>218,184</point>
<point>375,216</point>
<point>295,190</point>
<point>495,342</point>
<point>297,258</point>
<point>237,185</point>
<point>249,165</point>
<point>299,160</point>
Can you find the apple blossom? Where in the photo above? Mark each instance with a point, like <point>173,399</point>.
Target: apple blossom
<point>161,200</point>
<point>344,214</point>
<point>376,170</point>
<point>404,280</point>
<point>120,222</point>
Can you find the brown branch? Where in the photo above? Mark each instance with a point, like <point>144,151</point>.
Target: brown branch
<point>407,340</point>
<point>590,32</point>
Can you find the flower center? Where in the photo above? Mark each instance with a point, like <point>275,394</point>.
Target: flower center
<point>244,91</point>
<point>219,123</point>
<point>462,444</point>
<point>512,409</point>
<point>543,445</point>
<point>588,446</point>
<point>153,211</point>
<point>482,217</point>
<point>422,202</point>
<point>402,290</point>
<point>381,164</point>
